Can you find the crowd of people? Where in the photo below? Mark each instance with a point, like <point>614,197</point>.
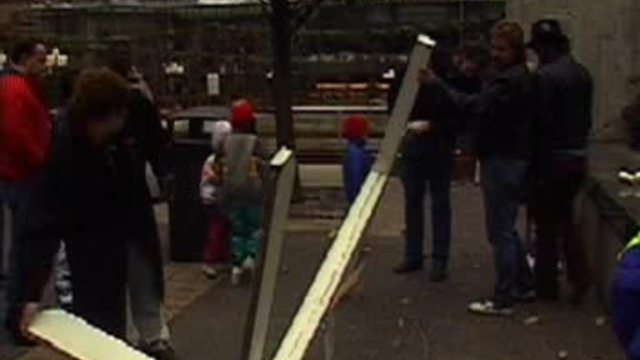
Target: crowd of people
<point>76,184</point>
<point>75,181</point>
<point>78,179</point>
<point>527,108</point>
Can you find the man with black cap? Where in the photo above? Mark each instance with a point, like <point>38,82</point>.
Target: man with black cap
<point>564,97</point>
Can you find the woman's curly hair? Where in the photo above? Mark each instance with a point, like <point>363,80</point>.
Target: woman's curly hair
<point>97,94</point>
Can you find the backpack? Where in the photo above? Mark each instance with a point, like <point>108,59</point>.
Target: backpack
<point>241,171</point>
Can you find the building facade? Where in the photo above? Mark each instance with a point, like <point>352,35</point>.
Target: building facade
<point>356,40</point>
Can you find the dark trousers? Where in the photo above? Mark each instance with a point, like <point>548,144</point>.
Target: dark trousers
<point>435,170</point>
<point>502,185</point>
<point>16,197</point>
<point>98,274</point>
<point>553,205</point>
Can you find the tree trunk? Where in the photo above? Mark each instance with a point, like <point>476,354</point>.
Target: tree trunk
<point>281,37</point>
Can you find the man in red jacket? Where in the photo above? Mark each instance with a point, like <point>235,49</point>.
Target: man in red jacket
<point>25,131</point>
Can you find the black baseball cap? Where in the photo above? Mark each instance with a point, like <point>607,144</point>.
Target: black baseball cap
<point>547,32</point>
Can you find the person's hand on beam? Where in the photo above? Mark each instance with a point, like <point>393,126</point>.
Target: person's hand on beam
<point>420,127</point>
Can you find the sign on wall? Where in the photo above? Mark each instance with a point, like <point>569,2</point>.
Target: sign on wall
<point>213,84</point>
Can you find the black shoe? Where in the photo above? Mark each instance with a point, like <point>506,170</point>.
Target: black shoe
<point>525,296</point>
<point>547,295</point>
<point>160,350</point>
<point>438,273</point>
<point>408,267</point>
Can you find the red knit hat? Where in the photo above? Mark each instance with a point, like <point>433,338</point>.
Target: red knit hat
<point>242,115</point>
<point>355,127</point>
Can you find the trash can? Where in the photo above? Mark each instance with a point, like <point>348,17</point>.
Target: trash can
<point>190,132</point>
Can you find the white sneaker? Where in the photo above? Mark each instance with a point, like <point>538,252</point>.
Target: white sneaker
<point>236,275</point>
<point>249,264</point>
<point>489,307</point>
<point>531,260</point>
<point>210,271</point>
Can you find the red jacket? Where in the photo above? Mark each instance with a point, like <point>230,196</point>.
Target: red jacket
<point>25,129</point>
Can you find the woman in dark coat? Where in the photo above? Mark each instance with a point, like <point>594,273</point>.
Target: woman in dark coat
<point>79,199</point>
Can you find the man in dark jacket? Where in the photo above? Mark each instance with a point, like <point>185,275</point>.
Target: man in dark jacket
<point>143,141</point>
<point>427,158</point>
<point>564,92</point>
<point>503,116</point>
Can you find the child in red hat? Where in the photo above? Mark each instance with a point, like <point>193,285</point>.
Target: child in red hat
<point>357,161</point>
<point>244,164</point>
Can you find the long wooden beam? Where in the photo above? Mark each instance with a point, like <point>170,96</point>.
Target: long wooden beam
<point>279,193</point>
<point>332,270</point>
<point>74,337</point>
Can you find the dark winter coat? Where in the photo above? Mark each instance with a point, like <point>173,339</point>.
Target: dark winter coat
<point>143,140</point>
<point>564,93</point>
<point>77,199</point>
<point>432,104</point>
<point>502,113</point>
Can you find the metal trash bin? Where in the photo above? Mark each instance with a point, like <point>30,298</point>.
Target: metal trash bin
<point>190,132</point>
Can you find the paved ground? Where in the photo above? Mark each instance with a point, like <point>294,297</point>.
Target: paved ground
<point>398,318</point>
<point>389,317</point>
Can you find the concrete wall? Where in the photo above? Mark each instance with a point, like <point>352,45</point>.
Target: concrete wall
<point>606,39</point>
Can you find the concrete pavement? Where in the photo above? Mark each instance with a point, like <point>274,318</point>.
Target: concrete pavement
<point>387,317</point>
<point>394,318</point>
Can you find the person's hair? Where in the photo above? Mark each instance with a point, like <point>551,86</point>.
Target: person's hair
<point>98,93</point>
<point>22,50</point>
<point>442,61</point>
<point>121,63</point>
<point>513,34</point>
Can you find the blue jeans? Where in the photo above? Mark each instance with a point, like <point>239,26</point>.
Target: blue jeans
<point>16,197</point>
<point>502,185</point>
<point>435,169</point>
